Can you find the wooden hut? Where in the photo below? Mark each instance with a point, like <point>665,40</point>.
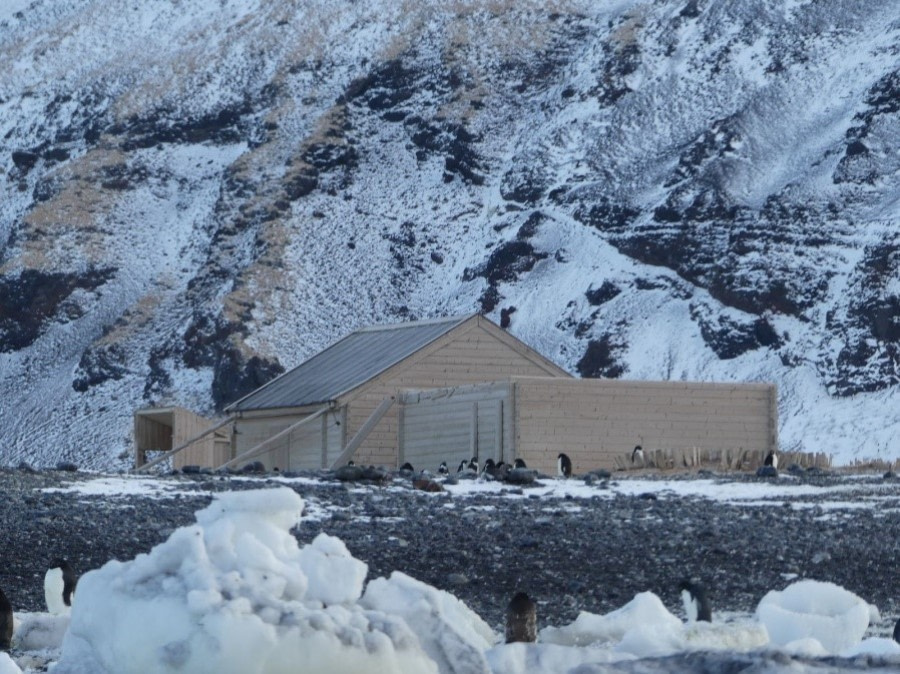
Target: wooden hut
<point>341,403</point>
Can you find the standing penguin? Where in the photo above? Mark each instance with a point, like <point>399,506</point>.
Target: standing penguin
<point>696,602</point>
<point>897,632</point>
<point>521,619</point>
<point>563,465</point>
<point>489,468</point>
<point>772,459</point>
<point>637,454</point>
<point>6,622</point>
<point>59,587</point>
<point>442,469</point>
<point>473,465</point>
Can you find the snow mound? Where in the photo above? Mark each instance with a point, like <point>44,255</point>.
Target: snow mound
<point>39,631</point>
<point>877,646</point>
<point>235,593</point>
<point>7,666</point>
<point>645,628</point>
<point>809,609</point>
<point>541,658</point>
<point>645,610</point>
<point>452,634</point>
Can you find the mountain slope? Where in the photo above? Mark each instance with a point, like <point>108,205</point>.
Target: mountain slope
<point>196,197</point>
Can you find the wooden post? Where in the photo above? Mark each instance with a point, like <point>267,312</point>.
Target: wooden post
<point>261,447</point>
<point>363,432</point>
<point>173,452</point>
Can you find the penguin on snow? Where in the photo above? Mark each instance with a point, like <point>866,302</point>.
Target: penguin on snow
<point>519,463</point>
<point>442,469</point>
<point>772,459</point>
<point>696,602</point>
<point>59,587</point>
<point>563,465</point>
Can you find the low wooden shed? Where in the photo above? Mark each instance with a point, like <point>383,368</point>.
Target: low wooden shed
<point>158,430</point>
<point>342,402</point>
<point>596,422</point>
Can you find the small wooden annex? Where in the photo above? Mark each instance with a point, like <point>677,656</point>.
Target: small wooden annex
<point>161,429</point>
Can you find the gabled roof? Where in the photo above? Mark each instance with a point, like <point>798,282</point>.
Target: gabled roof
<point>346,364</point>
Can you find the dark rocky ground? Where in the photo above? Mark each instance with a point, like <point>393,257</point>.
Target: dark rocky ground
<point>571,554</point>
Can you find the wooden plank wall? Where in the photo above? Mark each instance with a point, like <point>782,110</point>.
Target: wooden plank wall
<point>598,422</point>
<point>299,450</point>
<point>454,425</point>
<point>188,425</point>
<point>471,358</point>
<point>163,429</point>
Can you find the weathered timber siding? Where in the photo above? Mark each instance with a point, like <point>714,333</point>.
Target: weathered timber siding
<point>464,356</point>
<point>163,429</point>
<point>299,449</point>
<point>455,424</point>
<point>595,421</point>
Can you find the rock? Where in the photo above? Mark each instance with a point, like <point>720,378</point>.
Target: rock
<point>349,473</point>
<point>767,471</point>
<point>424,484</point>
<point>67,466</point>
<point>254,467</point>
<point>191,470</point>
<point>521,476</point>
<point>458,579</point>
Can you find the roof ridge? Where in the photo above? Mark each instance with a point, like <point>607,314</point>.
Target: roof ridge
<point>459,318</point>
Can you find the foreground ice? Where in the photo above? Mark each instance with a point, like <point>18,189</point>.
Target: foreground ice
<point>236,593</point>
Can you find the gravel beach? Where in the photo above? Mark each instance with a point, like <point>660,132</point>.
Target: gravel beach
<point>591,552</point>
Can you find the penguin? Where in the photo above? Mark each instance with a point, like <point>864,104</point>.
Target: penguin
<point>489,468</point>
<point>442,469</point>
<point>6,623</point>
<point>59,587</point>
<point>463,466</point>
<point>637,454</point>
<point>407,467</point>
<point>897,632</point>
<point>772,459</point>
<point>521,619</point>
<point>696,602</point>
<point>563,465</point>
<point>473,465</point>
<point>519,463</point>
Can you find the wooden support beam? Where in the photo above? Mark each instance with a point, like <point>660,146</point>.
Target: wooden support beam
<point>173,452</point>
<point>363,432</point>
<point>258,449</point>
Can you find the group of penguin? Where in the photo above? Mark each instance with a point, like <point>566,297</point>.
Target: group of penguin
<point>521,613</point>
<point>494,469</point>
<point>59,591</point>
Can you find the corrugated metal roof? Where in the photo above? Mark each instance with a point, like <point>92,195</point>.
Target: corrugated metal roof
<point>346,364</point>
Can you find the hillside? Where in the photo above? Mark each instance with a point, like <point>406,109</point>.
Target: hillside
<point>196,196</point>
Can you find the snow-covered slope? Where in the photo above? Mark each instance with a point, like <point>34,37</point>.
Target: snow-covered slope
<point>198,195</point>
